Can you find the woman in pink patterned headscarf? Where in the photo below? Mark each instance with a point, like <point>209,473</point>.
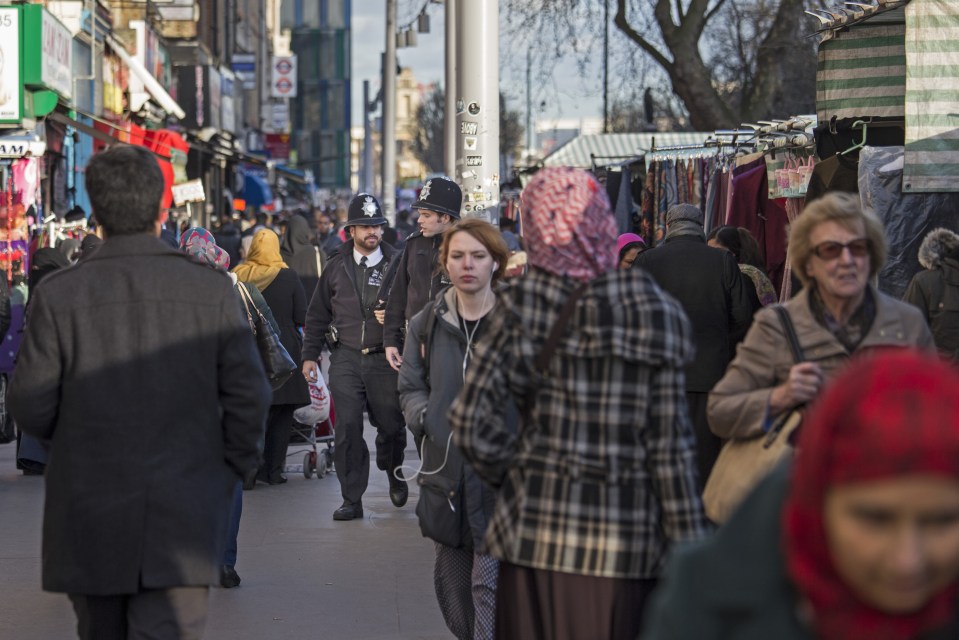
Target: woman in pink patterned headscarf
<point>568,227</point>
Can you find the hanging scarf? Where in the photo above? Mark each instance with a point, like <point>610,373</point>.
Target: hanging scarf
<point>570,230</point>
<point>263,261</point>
<point>889,414</point>
<point>200,245</point>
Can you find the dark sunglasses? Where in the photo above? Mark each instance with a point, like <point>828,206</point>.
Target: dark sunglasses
<point>831,250</point>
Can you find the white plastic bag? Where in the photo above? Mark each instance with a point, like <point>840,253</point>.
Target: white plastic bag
<point>319,408</point>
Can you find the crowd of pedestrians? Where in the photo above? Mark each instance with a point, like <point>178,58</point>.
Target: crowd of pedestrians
<point>567,415</point>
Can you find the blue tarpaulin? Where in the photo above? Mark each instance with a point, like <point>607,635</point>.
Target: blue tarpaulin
<point>256,191</point>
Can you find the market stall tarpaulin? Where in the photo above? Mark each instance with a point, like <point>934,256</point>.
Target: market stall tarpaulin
<point>932,88</point>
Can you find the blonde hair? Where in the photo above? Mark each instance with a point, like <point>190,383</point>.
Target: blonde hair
<point>845,209</point>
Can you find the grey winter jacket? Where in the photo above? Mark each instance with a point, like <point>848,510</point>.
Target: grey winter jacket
<point>936,290</point>
<point>425,395</point>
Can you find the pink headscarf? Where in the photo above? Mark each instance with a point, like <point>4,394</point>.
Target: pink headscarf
<point>569,230</point>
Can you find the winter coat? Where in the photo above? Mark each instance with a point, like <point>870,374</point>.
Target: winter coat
<point>738,402</point>
<point>426,395</point>
<point>337,303</point>
<point>600,479</point>
<point>936,290</point>
<point>139,367</point>
<point>418,280</point>
<point>287,301</point>
<point>714,295</point>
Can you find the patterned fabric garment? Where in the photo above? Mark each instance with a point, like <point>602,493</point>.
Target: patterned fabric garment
<point>569,230</point>
<point>465,584</point>
<point>765,290</point>
<point>601,479</point>
<point>199,244</point>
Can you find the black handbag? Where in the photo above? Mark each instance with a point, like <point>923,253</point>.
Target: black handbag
<point>277,362</point>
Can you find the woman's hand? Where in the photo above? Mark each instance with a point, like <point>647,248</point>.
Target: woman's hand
<point>803,384</point>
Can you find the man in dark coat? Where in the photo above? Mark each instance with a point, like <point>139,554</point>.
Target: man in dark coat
<point>139,369</point>
<point>418,277</point>
<point>935,290</point>
<point>343,316</point>
<point>708,284</point>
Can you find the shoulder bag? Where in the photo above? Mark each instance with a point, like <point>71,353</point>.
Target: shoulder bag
<point>744,462</point>
<point>277,362</point>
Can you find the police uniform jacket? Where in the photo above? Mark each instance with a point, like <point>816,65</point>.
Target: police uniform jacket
<point>418,279</point>
<point>337,303</point>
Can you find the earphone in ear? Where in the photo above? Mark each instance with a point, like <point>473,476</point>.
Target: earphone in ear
<point>495,267</point>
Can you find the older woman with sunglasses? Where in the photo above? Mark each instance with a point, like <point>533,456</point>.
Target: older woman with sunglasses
<point>835,248</point>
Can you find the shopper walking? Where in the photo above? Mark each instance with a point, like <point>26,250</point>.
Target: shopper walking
<point>152,396</point>
<point>600,480</point>
<point>455,504</point>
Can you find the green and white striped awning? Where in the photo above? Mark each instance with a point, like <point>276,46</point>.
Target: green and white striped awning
<point>862,73</point>
<point>616,148</point>
<point>932,97</point>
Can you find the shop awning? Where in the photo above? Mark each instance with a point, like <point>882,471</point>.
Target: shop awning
<point>256,191</point>
<point>155,88</point>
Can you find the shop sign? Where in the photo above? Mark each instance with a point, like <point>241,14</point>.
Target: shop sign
<point>191,191</point>
<point>280,116</point>
<point>244,66</point>
<point>278,146</point>
<point>47,51</point>
<point>11,88</point>
<point>216,104</point>
<point>21,148</point>
<point>227,100</point>
<point>283,77</point>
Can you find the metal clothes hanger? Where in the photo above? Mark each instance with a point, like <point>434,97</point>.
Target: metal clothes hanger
<point>857,145</point>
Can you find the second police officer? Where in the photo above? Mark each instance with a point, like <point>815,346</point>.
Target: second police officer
<point>418,276</point>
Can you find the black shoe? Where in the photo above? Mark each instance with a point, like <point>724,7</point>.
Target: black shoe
<point>349,511</point>
<point>249,482</point>
<point>281,479</point>
<point>399,491</point>
<point>229,577</point>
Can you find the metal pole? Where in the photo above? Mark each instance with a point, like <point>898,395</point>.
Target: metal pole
<point>449,111</point>
<point>477,124</point>
<point>389,116</point>
<point>367,172</point>
<point>606,69</point>
<point>529,104</point>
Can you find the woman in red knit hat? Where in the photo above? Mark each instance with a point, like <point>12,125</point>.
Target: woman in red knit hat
<point>858,540</point>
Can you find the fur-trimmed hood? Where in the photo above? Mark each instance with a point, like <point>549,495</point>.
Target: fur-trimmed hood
<point>936,246</point>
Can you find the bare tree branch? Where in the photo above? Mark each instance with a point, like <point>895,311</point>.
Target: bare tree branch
<point>623,24</point>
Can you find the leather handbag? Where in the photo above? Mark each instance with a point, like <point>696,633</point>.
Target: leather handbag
<point>744,462</point>
<point>277,362</point>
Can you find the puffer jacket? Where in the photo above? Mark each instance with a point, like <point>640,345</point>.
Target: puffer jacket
<point>936,290</point>
<point>425,395</point>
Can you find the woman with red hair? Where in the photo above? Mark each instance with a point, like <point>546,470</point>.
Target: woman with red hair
<point>858,540</point>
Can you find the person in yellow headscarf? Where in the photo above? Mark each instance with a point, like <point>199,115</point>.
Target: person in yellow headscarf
<point>281,288</point>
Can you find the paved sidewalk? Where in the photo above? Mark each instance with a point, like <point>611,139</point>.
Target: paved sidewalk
<point>304,575</point>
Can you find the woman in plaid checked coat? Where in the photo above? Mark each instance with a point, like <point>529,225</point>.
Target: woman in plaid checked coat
<point>600,479</point>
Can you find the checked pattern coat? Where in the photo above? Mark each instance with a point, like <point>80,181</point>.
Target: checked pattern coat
<point>602,478</point>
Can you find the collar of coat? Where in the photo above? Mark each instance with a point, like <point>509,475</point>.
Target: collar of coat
<point>134,244</point>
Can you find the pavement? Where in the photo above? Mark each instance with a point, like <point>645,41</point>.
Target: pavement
<point>304,575</point>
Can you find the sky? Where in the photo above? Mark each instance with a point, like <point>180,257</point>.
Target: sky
<point>566,97</point>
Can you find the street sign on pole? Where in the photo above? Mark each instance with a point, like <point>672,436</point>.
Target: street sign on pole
<point>283,78</point>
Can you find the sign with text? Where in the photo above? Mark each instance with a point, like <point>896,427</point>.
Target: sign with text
<point>191,191</point>
<point>11,88</point>
<point>47,51</point>
<point>283,77</point>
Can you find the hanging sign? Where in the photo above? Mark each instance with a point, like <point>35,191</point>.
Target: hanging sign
<point>283,78</point>
<point>191,191</point>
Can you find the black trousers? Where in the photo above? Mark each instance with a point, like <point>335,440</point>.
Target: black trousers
<point>279,424</point>
<point>155,614</point>
<point>708,444</point>
<point>359,382</point>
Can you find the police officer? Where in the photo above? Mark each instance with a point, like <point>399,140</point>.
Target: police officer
<point>342,316</point>
<point>418,278</point>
